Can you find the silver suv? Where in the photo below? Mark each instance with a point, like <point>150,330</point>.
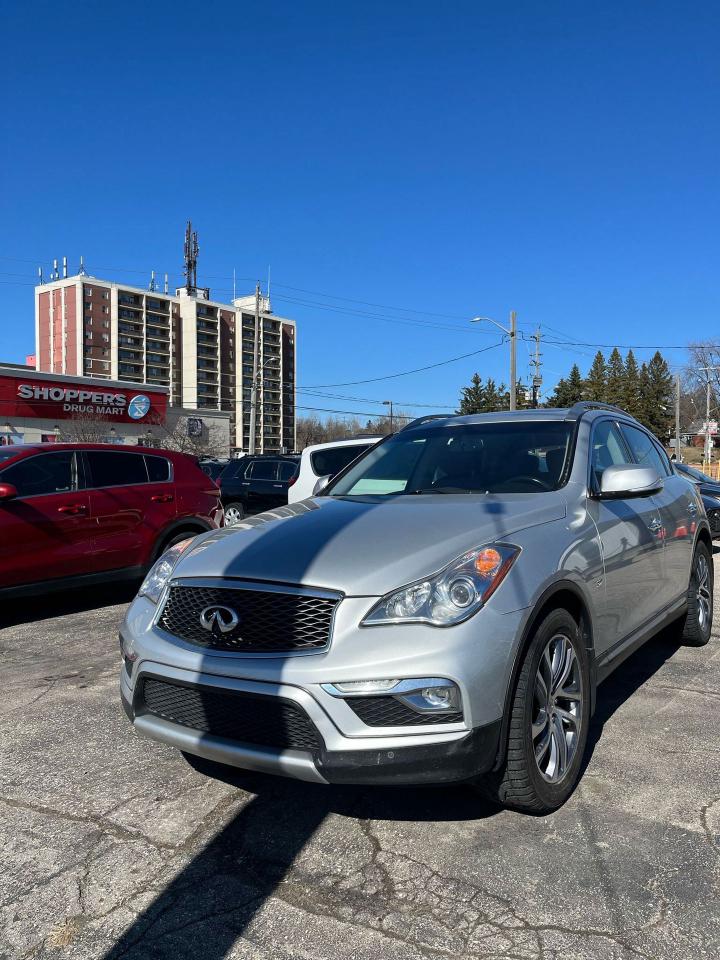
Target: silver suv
<point>443,611</point>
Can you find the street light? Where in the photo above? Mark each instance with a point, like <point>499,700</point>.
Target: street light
<point>512,333</point>
<point>389,403</point>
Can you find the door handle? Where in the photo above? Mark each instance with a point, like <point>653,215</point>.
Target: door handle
<point>692,509</point>
<point>73,508</point>
<point>277,485</point>
<point>162,498</point>
<point>655,525</point>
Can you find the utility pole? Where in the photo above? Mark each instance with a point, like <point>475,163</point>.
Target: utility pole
<point>513,360</point>
<point>536,362</point>
<point>512,334</point>
<point>708,438</point>
<point>254,388</point>
<point>678,454</point>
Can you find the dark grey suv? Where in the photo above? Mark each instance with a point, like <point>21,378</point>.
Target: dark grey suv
<point>443,611</point>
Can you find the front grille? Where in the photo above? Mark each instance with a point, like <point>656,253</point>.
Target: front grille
<point>390,712</point>
<point>247,718</point>
<point>269,622</point>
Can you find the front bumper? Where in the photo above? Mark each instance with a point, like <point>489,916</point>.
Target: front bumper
<point>477,656</point>
<point>438,758</point>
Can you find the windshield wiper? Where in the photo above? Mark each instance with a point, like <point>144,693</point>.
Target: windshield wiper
<point>423,490</point>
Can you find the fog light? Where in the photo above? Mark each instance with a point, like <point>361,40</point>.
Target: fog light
<point>437,696</point>
<point>360,687</point>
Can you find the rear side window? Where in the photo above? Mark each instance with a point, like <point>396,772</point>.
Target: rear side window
<point>158,469</point>
<point>48,473</point>
<point>329,462</point>
<point>263,470</point>
<point>287,470</point>
<point>645,451</point>
<point>116,469</point>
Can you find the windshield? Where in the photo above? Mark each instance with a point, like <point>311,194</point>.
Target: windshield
<point>521,457</point>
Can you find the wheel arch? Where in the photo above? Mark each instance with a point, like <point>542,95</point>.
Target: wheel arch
<point>190,525</point>
<point>562,594</point>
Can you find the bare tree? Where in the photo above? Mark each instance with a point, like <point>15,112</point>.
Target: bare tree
<point>85,428</point>
<point>209,442</point>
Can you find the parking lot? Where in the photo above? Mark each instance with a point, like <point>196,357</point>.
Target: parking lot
<point>114,846</point>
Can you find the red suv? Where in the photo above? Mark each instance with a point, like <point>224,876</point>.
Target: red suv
<point>75,513</point>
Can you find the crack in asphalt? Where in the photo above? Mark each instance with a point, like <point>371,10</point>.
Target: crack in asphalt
<point>712,838</point>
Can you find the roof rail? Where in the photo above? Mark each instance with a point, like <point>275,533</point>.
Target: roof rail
<point>583,405</point>
<point>419,421</point>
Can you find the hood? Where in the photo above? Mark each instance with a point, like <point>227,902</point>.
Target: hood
<point>364,547</point>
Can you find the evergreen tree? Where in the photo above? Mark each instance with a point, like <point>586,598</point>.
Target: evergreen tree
<point>615,390</point>
<point>596,382</point>
<point>631,400</point>
<point>482,397</point>
<point>568,391</point>
<point>658,399</point>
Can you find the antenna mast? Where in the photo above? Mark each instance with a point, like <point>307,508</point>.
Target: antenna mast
<point>191,251</point>
<point>537,363</point>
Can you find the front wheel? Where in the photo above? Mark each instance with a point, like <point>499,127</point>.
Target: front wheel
<point>550,714</point>
<point>698,619</point>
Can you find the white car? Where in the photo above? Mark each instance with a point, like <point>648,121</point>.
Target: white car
<point>325,460</point>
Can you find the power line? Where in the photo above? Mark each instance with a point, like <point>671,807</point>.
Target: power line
<point>406,373</point>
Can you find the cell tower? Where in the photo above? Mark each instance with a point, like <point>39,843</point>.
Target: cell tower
<point>191,256</point>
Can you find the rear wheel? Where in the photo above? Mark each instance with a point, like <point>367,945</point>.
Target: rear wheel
<point>234,513</point>
<point>698,619</point>
<point>549,721</point>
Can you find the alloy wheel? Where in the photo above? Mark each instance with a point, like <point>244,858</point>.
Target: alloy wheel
<point>232,516</point>
<point>704,596</point>
<point>557,708</point>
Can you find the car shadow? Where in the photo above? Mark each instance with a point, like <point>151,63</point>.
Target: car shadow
<point>33,609</point>
<point>632,674</point>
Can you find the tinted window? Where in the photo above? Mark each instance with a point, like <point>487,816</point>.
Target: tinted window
<point>116,469</point>
<point>608,449</point>
<point>287,470</point>
<point>264,470</point>
<point>501,457</point>
<point>644,450</point>
<point>48,473</point>
<point>158,468</point>
<point>332,461</point>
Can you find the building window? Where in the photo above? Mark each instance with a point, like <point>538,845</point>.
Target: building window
<point>106,294</point>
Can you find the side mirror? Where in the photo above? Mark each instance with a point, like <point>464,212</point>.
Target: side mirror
<point>629,480</point>
<point>7,491</point>
<point>320,484</point>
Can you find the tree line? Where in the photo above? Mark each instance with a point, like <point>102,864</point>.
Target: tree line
<point>645,391</point>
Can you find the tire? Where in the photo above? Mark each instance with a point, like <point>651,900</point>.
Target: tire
<point>236,510</point>
<point>525,783</point>
<point>174,538</point>
<point>697,625</point>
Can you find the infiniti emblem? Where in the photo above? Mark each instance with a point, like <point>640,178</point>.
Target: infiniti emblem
<point>216,618</point>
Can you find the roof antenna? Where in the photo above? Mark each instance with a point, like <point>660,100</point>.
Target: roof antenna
<point>191,251</point>
<point>234,293</point>
<point>166,283</point>
<point>40,276</point>
<point>268,296</point>
<point>81,271</point>
<point>151,285</point>
<point>64,268</point>
<point>56,274</point>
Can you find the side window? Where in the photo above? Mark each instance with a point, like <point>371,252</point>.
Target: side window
<point>264,470</point>
<point>287,470</point>
<point>644,450</point>
<point>158,469</point>
<point>47,473</point>
<point>608,449</point>
<point>329,462</point>
<point>116,469</point>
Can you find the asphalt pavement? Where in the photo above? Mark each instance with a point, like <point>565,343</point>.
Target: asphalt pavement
<point>114,846</point>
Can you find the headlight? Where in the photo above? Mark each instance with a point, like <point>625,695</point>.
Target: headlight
<point>154,582</point>
<point>451,596</point>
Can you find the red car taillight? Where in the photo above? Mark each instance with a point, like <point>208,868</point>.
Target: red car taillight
<point>292,480</point>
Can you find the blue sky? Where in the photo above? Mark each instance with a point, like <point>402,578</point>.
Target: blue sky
<point>445,160</point>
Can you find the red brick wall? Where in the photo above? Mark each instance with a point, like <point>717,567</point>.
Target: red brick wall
<point>43,345</point>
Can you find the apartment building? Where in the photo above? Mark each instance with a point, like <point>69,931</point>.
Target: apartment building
<point>201,350</point>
